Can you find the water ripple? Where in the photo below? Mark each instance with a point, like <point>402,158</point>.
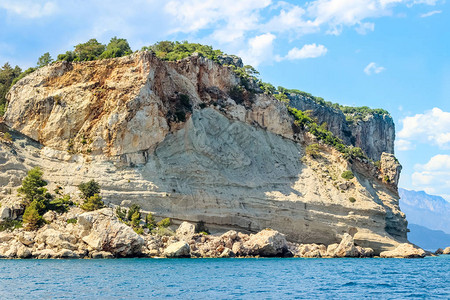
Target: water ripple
<point>225,278</point>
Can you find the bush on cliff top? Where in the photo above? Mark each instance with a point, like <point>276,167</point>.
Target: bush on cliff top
<point>168,50</point>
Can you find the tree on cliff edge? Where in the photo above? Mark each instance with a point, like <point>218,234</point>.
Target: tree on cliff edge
<point>44,60</point>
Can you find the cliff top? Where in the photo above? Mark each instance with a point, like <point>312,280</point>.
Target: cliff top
<point>173,51</point>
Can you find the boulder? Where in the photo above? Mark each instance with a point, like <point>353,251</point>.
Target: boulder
<point>311,250</point>
<point>50,216</point>
<point>237,249</point>
<point>404,251</point>
<point>365,252</point>
<point>6,236</point>
<point>267,243</point>
<point>66,253</point>
<point>346,247</point>
<point>331,249</point>
<point>101,254</point>
<point>227,252</point>
<point>446,251</point>
<point>178,249</point>
<point>26,237</point>
<point>439,251</point>
<point>103,231</point>
<point>44,254</point>
<point>23,252</point>
<point>186,230</point>
<point>55,239</point>
<point>5,213</point>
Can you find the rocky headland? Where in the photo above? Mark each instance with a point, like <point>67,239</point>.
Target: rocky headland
<point>194,141</point>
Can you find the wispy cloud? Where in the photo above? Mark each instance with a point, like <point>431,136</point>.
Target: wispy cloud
<point>373,68</point>
<point>429,14</point>
<point>29,9</point>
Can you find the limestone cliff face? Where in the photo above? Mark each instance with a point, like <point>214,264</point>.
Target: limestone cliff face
<point>168,136</point>
<point>374,134</point>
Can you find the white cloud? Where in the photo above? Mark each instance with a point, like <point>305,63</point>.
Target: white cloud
<point>430,127</point>
<point>426,2</point>
<point>229,19</point>
<point>429,14</point>
<point>260,48</point>
<point>29,9</point>
<point>434,176</point>
<point>403,145</point>
<point>307,51</point>
<point>373,68</point>
<point>364,28</point>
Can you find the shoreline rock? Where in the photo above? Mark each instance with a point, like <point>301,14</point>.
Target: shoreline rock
<point>100,234</point>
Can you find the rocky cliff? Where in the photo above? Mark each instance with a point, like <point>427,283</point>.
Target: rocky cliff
<point>373,133</point>
<point>182,141</point>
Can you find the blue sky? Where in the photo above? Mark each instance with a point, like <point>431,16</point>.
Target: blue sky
<point>392,54</point>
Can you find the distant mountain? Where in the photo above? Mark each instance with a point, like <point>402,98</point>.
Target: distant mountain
<point>428,239</point>
<point>425,210</point>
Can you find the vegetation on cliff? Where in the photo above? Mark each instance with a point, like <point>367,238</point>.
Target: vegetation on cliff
<point>37,200</point>
<point>7,76</point>
<point>305,122</point>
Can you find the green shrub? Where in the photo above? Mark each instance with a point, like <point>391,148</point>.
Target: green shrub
<point>313,150</point>
<point>168,50</point>
<point>2,109</point>
<point>138,230</point>
<point>72,221</point>
<point>267,88</point>
<point>33,187</point>
<point>93,203</point>
<point>9,224</point>
<point>150,221</point>
<point>121,213</point>
<point>116,48</point>
<point>7,136</point>
<point>61,205</point>
<point>377,164</point>
<point>89,189</point>
<point>90,50</point>
<point>352,199</point>
<point>31,217</point>
<point>348,175</point>
<point>386,178</point>
<point>164,223</point>
<point>135,219</point>
<point>163,231</point>
<point>44,60</point>
<point>281,97</point>
<point>201,227</point>
<point>132,210</point>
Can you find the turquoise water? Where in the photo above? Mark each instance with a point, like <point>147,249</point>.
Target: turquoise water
<point>226,278</point>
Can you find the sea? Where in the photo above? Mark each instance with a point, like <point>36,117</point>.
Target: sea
<point>232,278</point>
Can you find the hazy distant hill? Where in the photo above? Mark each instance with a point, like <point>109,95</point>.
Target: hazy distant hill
<point>425,210</point>
<point>427,238</point>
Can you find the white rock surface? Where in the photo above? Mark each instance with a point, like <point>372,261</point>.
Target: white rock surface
<point>177,250</point>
